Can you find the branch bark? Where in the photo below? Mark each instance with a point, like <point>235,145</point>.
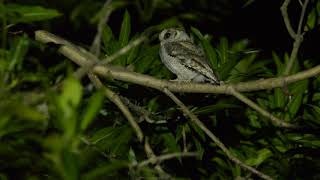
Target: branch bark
<point>214,138</point>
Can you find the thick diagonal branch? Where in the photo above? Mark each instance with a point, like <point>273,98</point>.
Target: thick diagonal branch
<point>214,138</point>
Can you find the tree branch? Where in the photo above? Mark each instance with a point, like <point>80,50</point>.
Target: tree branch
<point>284,12</point>
<point>106,12</point>
<point>297,36</point>
<point>214,138</point>
<point>274,120</point>
<point>82,59</point>
<point>164,157</point>
<point>106,71</point>
<point>113,97</point>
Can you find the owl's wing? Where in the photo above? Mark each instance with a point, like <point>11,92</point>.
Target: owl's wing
<point>192,57</point>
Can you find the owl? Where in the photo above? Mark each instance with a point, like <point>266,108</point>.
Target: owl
<point>184,58</point>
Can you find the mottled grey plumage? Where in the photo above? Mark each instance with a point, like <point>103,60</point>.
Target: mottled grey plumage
<point>182,57</point>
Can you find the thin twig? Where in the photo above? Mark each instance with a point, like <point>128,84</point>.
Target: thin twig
<point>143,113</point>
<point>303,12</point>
<point>106,11</point>
<point>83,70</point>
<point>297,36</point>
<point>214,138</point>
<point>275,120</point>
<point>284,12</point>
<point>88,143</point>
<point>151,155</point>
<point>159,159</point>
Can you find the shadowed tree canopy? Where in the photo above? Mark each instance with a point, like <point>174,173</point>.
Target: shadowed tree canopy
<point>85,95</point>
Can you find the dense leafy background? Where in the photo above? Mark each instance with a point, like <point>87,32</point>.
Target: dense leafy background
<point>48,131</point>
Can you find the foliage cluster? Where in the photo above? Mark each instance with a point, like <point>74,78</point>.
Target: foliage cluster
<point>53,126</point>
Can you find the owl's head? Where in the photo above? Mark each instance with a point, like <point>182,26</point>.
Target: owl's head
<point>172,34</point>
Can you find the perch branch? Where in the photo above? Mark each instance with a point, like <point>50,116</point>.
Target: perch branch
<point>214,138</point>
<point>83,58</point>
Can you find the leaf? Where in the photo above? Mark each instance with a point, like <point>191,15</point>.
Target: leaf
<point>223,50</point>
<point>67,103</point>
<point>18,52</point>
<point>133,54</point>
<point>279,64</point>
<point>215,107</point>
<point>146,59</point>
<point>153,105</point>
<point>109,43</point>
<point>197,130</point>
<point>298,89</point>
<point>125,29</point>
<point>226,68</point>
<point>113,140</point>
<point>313,17</point>
<point>170,143</point>
<point>21,13</point>
<point>209,50</point>
<point>72,92</point>
<point>95,104</point>
<point>260,157</point>
<point>279,98</point>
<point>70,165</point>
<point>105,170</point>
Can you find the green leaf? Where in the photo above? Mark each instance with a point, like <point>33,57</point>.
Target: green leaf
<point>298,89</point>
<point>125,29</point>
<point>95,104</point>
<point>260,157</point>
<point>113,140</point>
<point>197,33</point>
<point>279,98</point>
<point>70,165</point>
<point>107,35</point>
<point>133,54</point>
<point>72,92</point>
<point>223,49</point>
<point>215,107</point>
<point>278,62</point>
<point>21,13</point>
<point>209,50</point>
<point>197,130</point>
<point>105,170</point>
<point>226,68</point>
<point>19,50</point>
<point>313,17</point>
<point>146,59</point>
<point>153,105</point>
<point>170,143</point>
<point>67,103</point>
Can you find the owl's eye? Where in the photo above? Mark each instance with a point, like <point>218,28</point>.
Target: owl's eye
<point>167,35</point>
